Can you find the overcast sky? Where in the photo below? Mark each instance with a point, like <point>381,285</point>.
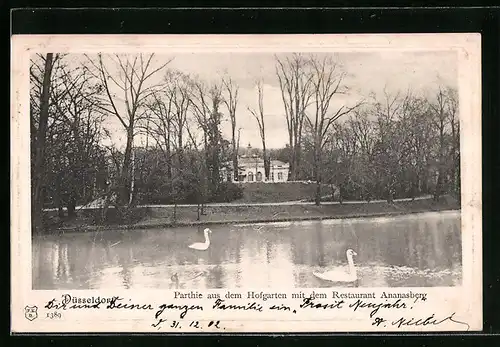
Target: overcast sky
<point>368,73</point>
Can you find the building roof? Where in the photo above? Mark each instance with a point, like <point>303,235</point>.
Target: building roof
<point>278,162</point>
<point>249,161</point>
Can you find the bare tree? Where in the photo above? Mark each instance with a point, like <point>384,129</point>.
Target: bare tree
<point>78,108</point>
<point>296,91</point>
<point>454,121</point>
<point>214,137</point>
<point>327,81</point>
<point>415,127</point>
<point>129,76</point>
<point>238,140</point>
<point>387,154</point>
<point>41,131</point>
<point>160,126</point>
<point>200,105</point>
<point>392,147</point>
<point>363,132</point>
<point>71,137</point>
<point>231,101</point>
<point>440,119</point>
<point>259,117</point>
<point>343,152</point>
<point>177,86</point>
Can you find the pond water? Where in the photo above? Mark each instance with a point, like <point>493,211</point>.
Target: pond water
<point>419,250</point>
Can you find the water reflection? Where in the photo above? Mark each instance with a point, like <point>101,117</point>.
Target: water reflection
<point>416,250</point>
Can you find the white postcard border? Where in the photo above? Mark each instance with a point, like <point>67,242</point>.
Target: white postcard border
<point>466,300</point>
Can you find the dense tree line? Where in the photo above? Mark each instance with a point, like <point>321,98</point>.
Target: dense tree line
<point>378,147</point>
<point>389,146</point>
<point>401,147</point>
<point>68,164</point>
<point>179,116</point>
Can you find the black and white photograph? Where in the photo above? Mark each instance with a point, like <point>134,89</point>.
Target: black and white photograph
<point>246,183</point>
<point>210,170</point>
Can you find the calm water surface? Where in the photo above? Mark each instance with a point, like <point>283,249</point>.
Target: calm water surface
<point>415,250</point>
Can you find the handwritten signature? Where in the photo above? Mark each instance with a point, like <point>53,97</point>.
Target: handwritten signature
<point>430,320</point>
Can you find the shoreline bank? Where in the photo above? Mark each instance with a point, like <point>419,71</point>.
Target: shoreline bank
<point>162,217</point>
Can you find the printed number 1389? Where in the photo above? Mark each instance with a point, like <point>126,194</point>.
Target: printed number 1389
<point>52,315</point>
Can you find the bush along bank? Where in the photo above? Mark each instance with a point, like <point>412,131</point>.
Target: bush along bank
<point>169,216</point>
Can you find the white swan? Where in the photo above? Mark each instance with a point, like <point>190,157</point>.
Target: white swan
<point>339,275</point>
<point>202,246</point>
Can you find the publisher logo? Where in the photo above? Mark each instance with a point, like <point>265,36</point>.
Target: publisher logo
<point>30,312</point>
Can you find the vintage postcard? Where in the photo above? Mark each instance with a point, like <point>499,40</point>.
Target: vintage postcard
<point>246,183</point>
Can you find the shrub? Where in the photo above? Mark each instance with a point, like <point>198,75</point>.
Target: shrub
<point>227,192</point>
<point>188,192</point>
<point>122,215</point>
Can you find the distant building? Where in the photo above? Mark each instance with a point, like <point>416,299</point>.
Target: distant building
<point>251,169</point>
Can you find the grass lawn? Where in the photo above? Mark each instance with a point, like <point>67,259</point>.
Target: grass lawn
<point>279,192</point>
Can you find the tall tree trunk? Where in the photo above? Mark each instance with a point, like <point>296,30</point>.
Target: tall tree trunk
<point>235,152</point>
<point>439,184</point>
<point>59,202</point>
<point>298,156</point>
<point>390,193</point>
<point>290,154</point>
<point>293,165</point>
<point>71,206</point>
<point>317,195</point>
<point>74,163</point>
<point>317,174</point>
<point>425,179</point>
<point>169,154</point>
<point>455,172</point>
<point>231,102</point>
<point>125,176</point>
<point>72,194</point>
<point>235,166</point>
<point>266,160</point>
<point>38,170</point>
<point>295,156</point>
<point>205,172</point>
<point>267,167</point>
<point>132,180</point>
<point>180,149</point>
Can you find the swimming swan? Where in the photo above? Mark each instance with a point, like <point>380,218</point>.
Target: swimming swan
<point>339,275</point>
<point>202,246</point>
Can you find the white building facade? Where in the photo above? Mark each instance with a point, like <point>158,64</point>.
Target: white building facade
<point>251,169</point>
